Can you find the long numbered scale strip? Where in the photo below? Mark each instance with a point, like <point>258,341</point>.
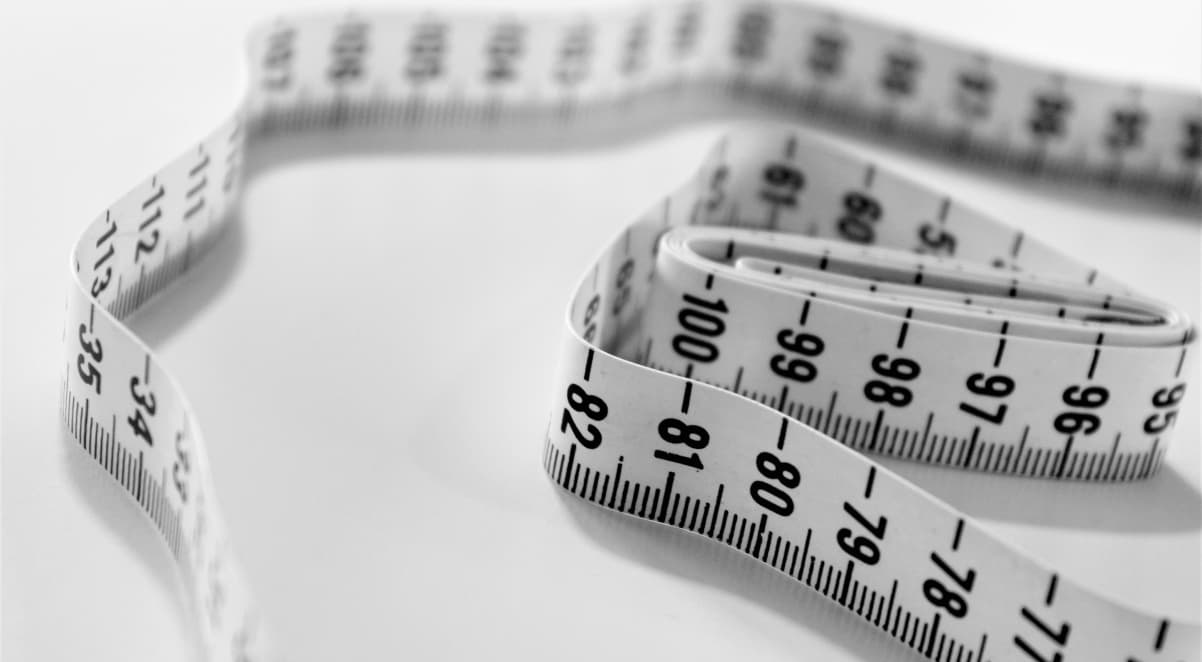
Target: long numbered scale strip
<point>730,352</point>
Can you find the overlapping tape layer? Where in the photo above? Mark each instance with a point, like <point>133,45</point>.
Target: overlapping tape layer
<point>729,352</point>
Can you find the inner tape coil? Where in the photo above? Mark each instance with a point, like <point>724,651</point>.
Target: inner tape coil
<point>730,352</point>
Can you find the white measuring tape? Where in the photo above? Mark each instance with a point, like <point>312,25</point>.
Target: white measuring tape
<point>848,308</point>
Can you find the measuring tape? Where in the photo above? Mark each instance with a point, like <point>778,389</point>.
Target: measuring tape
<point>731,353</point>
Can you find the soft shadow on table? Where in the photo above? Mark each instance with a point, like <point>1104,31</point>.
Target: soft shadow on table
<point>691,557</point>
<point>110,504</point>
<point>1163,503</point>
<point>188,296</point>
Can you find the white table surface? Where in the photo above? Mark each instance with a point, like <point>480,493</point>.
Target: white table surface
<point>379,467</point>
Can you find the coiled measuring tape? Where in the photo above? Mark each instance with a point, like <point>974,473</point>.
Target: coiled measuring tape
<point>730,352</point>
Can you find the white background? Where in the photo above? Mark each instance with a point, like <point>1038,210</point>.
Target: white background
<point>370,352</point>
